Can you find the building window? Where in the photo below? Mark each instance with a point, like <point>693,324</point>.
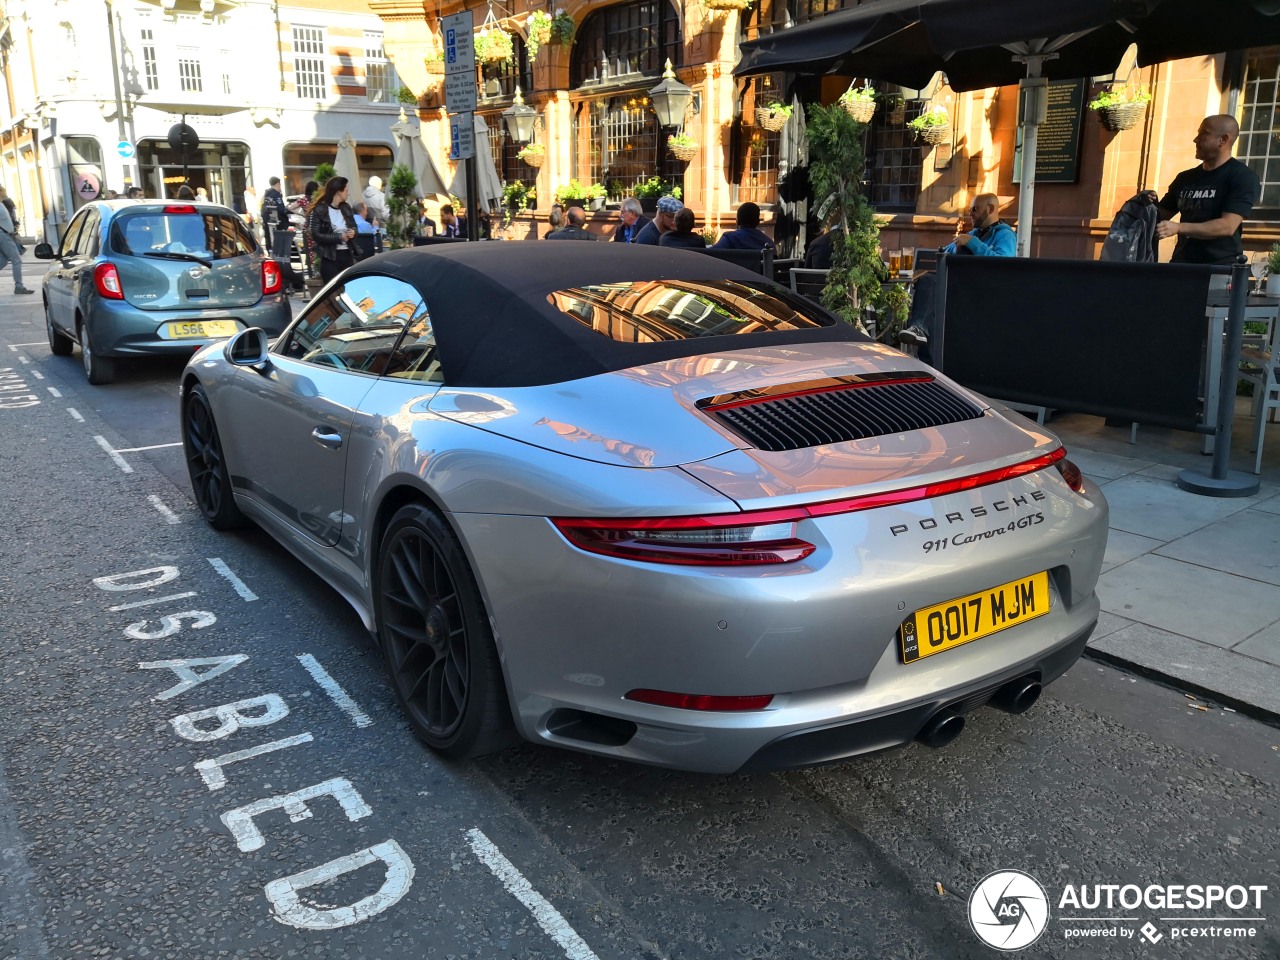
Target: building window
<point>310,78</point>
<point>894,161</point>
<point>1259,122</point>
<point>150,70</point>
<point>380,81</point>
<point>498,80</point>
<point>301,160</point>
<point>504,150</point>
<point>619,144</point>
<point>189,70</point>
<point>625,41</point>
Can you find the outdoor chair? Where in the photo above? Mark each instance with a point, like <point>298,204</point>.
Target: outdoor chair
<point>1262,369</point>
<point>757,261</point>
<point>808,282</point>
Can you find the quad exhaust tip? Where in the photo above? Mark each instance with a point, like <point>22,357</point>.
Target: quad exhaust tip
<point>943,727</point>
<point>1017,696</point>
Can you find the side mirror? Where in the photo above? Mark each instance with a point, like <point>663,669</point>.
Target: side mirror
<point>44,251</point>
<point>248,348</point>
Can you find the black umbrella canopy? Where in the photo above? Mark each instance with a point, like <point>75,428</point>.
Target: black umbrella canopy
<point>975,42</point>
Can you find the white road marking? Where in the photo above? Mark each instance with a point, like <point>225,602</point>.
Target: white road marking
<point>211,770</point>
<point>156,446</point>
<point>249,838</point>
<point>22,359</point>
<point>152,600</point>
<point>169,515</point>
<point>75,414</point>
<point>290,908</point>
<point>14,346</point>
<point>245,593</point>
<point>113,454</point>
<point>37,374</point>
<point>54,391</point>
<point>548,917</point>
<point>334,690</point>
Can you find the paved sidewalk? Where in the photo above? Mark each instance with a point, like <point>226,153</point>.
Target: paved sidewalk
<point>1190,586</point>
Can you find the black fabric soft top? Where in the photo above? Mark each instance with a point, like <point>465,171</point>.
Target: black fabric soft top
<point>495,327</point>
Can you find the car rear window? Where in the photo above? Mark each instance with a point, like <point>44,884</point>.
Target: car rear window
<point>209,235</point>
<point>653,311</point>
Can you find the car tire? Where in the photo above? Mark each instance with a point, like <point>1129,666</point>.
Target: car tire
<point>206,463</point>
<point>435,637</point>
<point>60,345</point>
<point>100,370</point>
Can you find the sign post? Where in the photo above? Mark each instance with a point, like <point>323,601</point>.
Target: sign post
<point>460,103</point>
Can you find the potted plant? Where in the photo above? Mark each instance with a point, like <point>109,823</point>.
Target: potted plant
<point>532,154</point>
<point>859,102</point>
<point>725,5</point>
<point>710,235</point>
<point>598,193</point>
<point>932,126</point>
<point>493,46</point>
<point>573,194</point>
<point>682,146</point>
<point>1273,271</point>
<point>402,207</point>
<point>648,192</point>
<point>561,29</point>
<point>1120,109</point>
<point>773,116</point>
<point>537,32</point>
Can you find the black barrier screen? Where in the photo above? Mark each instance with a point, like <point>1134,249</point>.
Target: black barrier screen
<point>1119,340</point>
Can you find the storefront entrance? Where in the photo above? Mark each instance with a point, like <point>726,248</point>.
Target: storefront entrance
<point>220,168</point>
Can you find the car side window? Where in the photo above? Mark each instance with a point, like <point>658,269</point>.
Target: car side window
<point>415,356</point>
<point>87,242</point>
<point>68,245</point>
<point>355,327</point>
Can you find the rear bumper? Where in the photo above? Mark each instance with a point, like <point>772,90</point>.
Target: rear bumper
<point>870,735</point>
<point>121,330</point>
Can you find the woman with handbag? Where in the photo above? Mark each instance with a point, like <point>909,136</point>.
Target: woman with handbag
<point>333,229</point>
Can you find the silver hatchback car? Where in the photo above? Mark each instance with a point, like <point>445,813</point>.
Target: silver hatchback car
<point>152,277</point>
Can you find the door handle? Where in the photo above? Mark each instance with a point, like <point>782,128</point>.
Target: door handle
<point>327,438</point>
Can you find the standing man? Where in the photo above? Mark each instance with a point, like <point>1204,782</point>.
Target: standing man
<point>633,221</point>
<point>9,251</point>
<point>275,216</point>
<point>664,221</point>
<point>1211,200</point>
<point>990,237</point>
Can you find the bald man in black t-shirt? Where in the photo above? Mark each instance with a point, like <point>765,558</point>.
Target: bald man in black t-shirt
<point>1211,200</point>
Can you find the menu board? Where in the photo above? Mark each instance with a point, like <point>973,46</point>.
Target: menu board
<point>1058,146</point>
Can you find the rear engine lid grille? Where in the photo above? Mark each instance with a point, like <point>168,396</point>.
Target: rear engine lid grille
<point>838,409</point>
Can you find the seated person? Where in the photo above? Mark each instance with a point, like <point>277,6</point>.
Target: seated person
<point>683,235</point>
<point>574,227</point>
<point>990,237</point>
<point>748,235</point>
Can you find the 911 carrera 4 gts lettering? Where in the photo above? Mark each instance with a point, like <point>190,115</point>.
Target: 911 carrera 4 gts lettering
<point>1031,520</point>
<point>977,512</point>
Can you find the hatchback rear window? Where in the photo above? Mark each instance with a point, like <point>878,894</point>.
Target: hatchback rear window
<point>210,236</point>
<point>658,310</point>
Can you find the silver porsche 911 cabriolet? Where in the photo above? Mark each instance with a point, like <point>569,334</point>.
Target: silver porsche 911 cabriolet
<point>646,504</point>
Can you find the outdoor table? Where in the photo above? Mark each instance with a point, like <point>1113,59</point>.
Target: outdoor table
<point>1258,307</point>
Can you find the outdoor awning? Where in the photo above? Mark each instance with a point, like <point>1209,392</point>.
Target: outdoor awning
<point>907,41</point>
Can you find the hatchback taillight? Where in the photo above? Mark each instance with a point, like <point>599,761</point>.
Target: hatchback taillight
<point>106,280</point>
<point>1071,473</point>
<point>272,278</point>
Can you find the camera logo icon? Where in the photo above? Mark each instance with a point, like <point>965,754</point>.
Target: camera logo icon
<point>1008,910</point>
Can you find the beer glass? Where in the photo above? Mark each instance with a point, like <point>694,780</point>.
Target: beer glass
<point>908,261</point>
<point>895,263</point>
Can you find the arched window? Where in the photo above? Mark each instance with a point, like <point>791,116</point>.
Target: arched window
<point>629,40</point>
<point>618,54</point>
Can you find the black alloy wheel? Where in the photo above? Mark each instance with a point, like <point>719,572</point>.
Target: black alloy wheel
<point>60,345</point>
<point>206,464</point>
<point>436,639</point>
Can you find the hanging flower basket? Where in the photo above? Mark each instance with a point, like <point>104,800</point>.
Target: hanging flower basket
<point>434,67</point>
<point>683,149</point>
<point>493,45</point>
<point>897,112</point>
<point>860,110</point>
<point>1122,116</point>
<point>726,4</point>
<point>531,156</point>
<point>773,117</point>
<point>936,134</point>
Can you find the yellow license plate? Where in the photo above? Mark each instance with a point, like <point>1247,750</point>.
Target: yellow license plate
<point>204,328</point>
<point>943,626</point>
